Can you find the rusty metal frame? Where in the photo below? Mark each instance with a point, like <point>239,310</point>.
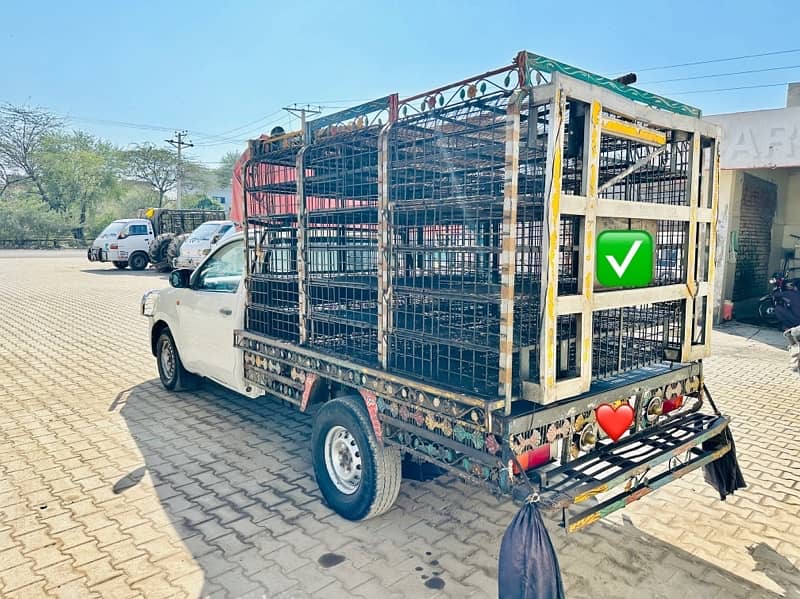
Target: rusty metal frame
<point>550,225</point>
<point>590,207</point>
<point>384,257</point>
<point>509,246</point>
<point>302,279</point>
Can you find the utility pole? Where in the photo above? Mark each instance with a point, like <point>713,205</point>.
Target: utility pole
<point>302,111</point>
<point>180,144</point>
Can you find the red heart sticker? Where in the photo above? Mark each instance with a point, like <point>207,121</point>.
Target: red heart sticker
<point>614,422</point>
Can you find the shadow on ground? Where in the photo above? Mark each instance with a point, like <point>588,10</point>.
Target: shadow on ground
<point>756,332</point>
<point>235,480</point>
<point>122,272</point>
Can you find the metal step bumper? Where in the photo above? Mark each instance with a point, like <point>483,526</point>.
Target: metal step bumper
<point>642,463</point>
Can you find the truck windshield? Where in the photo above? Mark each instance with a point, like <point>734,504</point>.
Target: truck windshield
<point>204,232</point>
<point>113,228</point>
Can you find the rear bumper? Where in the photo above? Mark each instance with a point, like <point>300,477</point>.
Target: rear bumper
<point>639,463</point>
<point>97,255</point>
<point>101,255</point>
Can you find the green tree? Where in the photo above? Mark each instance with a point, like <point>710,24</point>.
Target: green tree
<point>202,202</point>
<point>156,167</point>
<point>22,133</point>
<point>77,171</point>
<point>224,172</point>
<point>26,216</point>
<point>197,178</point>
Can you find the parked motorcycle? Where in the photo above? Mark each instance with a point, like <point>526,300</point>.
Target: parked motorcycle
<point>781,284</point>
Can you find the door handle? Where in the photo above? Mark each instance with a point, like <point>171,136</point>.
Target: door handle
<point>225,311</point>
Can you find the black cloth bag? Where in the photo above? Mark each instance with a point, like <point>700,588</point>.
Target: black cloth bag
<point>723,474</point>
<point>528,565</point>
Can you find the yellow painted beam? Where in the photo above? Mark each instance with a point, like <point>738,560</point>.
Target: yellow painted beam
<point>625,130</point>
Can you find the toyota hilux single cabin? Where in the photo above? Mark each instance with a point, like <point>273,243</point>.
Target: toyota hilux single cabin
<point>471,277</point>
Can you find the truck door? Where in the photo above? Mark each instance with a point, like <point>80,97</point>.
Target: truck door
<point>134,237</point>
<point>210,312</point>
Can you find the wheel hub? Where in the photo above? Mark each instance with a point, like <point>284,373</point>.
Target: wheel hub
<point>343,460</point>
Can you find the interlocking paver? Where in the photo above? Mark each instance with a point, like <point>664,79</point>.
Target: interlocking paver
<point>227,504</point>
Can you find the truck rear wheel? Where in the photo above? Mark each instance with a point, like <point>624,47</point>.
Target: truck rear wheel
<point>174,248</point>
<point>158,252</point>
<point>173,375</point>
<point>358,477</point>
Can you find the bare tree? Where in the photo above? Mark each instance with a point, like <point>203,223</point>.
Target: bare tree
<point>157,167</point>
<point>22,131</point>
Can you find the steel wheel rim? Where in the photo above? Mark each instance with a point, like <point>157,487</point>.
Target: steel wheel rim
<point>167,359</point>
<point>343,460</point>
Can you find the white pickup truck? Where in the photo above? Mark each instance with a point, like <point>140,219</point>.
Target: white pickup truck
<point>192,322</point>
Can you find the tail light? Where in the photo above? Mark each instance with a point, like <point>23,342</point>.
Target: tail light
<point>671,404</point>
<point>533,458</point>
<point>113,246</point>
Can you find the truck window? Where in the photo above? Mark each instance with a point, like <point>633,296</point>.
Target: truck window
<point>204,231</point>
<point>223,271</point>
<point>112,229</point>
<point>137,230</point>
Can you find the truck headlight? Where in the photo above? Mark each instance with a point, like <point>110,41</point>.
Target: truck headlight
<point>149,300</point>
<point>205,252</point>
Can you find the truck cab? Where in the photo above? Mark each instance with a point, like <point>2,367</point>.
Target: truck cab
<point>124,243</point>
<point>192,321</point>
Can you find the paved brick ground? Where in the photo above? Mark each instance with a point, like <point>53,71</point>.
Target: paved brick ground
<point>112,487</point>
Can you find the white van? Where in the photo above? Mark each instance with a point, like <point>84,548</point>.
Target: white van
<point>124,243</point>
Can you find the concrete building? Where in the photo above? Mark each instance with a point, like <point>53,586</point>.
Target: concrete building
<point>759,201</point>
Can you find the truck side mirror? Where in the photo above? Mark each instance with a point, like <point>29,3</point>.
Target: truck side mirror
<point>180,278</point>
<point>215,239</point>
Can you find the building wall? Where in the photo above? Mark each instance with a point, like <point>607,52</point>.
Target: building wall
<point>786,220</point>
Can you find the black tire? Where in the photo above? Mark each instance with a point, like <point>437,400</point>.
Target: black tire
<point>138,261</point>
<point>158,251</point>
<point>766,311</point>
<point>174,248</point>
<point>380,468</point>
<point>174,377</point>
<point>120,264</point>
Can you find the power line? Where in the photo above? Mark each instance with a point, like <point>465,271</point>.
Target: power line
<point>301,112</point>
<point>239,139</point>
<point>715,60</point>
<point>728,89</point>
<point>125,124</point>
<point>711,76</point>
<point>225,134</point>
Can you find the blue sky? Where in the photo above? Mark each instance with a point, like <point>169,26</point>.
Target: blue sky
<point>215,67</point>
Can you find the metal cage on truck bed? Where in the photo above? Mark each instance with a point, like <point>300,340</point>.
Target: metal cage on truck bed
<point>453,242</point>
<point>438,254</point>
